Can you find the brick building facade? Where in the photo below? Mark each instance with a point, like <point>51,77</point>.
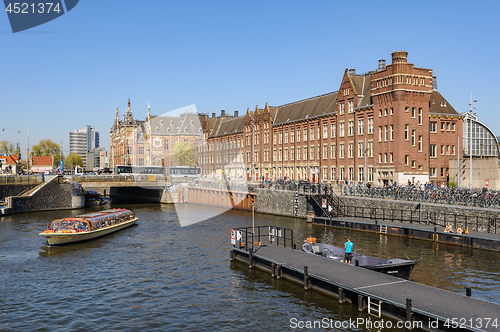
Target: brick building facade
<point>390,125</point>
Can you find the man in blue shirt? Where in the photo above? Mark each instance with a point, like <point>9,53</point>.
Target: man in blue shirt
<point>348,251</point>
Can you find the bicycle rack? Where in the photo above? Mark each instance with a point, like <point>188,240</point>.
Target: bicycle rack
<point>383,229</point>
<point>374,308</point>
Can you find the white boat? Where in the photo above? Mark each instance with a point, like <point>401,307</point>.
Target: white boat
<point>88,226</point>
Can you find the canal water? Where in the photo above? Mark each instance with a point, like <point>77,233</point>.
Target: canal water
<point>158,276</point>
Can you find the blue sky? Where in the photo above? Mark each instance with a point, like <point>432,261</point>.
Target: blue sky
<point>76,70</point>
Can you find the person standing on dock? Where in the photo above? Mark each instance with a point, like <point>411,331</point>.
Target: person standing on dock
<point>348,251</point>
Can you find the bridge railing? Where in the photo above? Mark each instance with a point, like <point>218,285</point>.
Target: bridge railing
<point>145,179</point>
<point>21,179</point>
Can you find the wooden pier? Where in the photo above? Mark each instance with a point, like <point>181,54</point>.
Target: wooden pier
<point>379,294</point>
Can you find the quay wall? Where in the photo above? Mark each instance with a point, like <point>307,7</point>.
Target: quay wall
<point>7,190</point>
<point>53,195</point>
<point>280,202</point>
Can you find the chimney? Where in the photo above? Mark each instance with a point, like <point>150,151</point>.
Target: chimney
<point>213,115</point>
<point>381,64</point>
<point>434,83</point>
<point>352,71</point>
<point>223,113</point>
<point>235,114</point>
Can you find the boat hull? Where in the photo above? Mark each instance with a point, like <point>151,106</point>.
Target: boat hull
<point>65,238</point>
<point>400,268</point>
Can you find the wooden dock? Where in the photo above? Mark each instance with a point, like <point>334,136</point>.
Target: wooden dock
<point>379,294</point>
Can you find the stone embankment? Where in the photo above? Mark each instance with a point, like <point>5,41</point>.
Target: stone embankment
<point>51,195</point>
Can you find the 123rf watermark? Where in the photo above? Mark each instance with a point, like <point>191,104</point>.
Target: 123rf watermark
<point>382,324</point>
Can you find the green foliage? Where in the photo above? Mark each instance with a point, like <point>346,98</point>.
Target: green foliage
<point>451,184</point>
<point>47,148</point>
<point>73,160</point>
<point>8,148</point>
<point>184,155</point>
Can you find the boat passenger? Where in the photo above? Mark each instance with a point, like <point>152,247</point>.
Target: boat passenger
<point>348,251</point>
<point>460,230</point>
<point>448,228</point>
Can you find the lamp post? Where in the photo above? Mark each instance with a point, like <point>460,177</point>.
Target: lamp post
<point>470,138</point>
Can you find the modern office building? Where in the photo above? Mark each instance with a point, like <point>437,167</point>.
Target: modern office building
<point>82,141</point>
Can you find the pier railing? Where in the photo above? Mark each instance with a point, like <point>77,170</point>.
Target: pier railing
<point>250,237</point>
<point>21,179</point>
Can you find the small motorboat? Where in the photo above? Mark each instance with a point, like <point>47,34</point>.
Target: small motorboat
<point>92,198</point>
<point>88,226</point>
<point>397,267</point>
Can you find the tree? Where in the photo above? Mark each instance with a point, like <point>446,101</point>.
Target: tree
<point>73,160</point>
<point>47,148</point>
<point>184,155</point>
<point>8,148</point>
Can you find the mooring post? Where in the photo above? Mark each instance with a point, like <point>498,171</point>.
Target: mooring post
<point>468,291</point>
<point>434,235</point>
<point>408,310</point>
<point>250,258</point>
<point>306,278</point>
<point>341,295</point>
<point>361,303</point>
<point>273,269</point>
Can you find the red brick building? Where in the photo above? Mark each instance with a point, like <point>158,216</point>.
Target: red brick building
<point>386,126</point>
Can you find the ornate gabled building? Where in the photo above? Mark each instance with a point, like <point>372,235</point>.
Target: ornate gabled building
<point>151,141</point>
<point>387,126</point>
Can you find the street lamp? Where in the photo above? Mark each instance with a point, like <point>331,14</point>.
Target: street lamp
<point>470,138</point>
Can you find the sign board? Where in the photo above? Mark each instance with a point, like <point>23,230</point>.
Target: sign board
<point>296,204</point>
<point>487,182</point>
<point>238,235</point>
<point>233,236</point>
<point>323,203</point>
<point>274,232</point>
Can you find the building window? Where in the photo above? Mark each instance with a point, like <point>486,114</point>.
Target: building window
<point>141,150</point>
<point>407,109</point>
<point>413,164</point>
<point>379,113</point>
<point>281,138</point>
<point>342,173</point>
<point>392,111</point>
<point>342,108</point>
<point>312,153</point>
<point>292,136</point>
<point>433,127</point>
<point>351,106</point>
<point>325,173</point>
<point>351,173</point>
<point>442,126</point>
<point>334,130</point>
<point>380,158</point>
<point>370,125</point>
<point>325,131</point>
<point>342,150</point>
<point>385,133</point>
<point>333,151</point>
<point>292,154</point>
<point>420,143</point>
<point>351,127</point>
<point>333,174</point>
<point>442,172</point>
<point>370,174</point>
<point>286,136</point>
<point>342,129</point>
<point>392,132</point>
<point>407,160</point>
<point>432,172</point>
<point>312,134</point>
<point>391,157</point>
<point>298,153</point>
<point>325,151</point>
<point>453,149</point>
<point>351,150</point>
<point>305,153</point>
<point>380,133</point>
<point>370,148</point>
<point>361,149</point>
<point>413,112</point>
<point>361,126</point>
<point>420,116</point>
<point>420,167</point>
<point>298,135</point>
<point>385,158</point>
<point>442,149</point>
<point>286,155</point>
<point>447,149</point>
<point>453,127</point>
<point>305,135</point>
<point>141,161</point>
<point>413,137</point>
<point>407,128</point>
<point>447,126</point>
<point>361,174</point>
<point>433,151</point>
<point>275,138</point>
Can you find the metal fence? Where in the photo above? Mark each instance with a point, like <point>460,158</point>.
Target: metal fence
<point>21,179</point>
<point>249,237</point>
<point>449,195</point>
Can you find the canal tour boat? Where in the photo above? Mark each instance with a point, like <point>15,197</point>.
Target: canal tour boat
<point>398,267</point>
<point>88,226</point>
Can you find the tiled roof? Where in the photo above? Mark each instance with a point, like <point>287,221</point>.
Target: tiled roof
<point>185,124</point>
<point>229,126</point>
<point>41,161</point>
<point>307,108</point>
<point>10,160</point>
<point>439,105</point>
